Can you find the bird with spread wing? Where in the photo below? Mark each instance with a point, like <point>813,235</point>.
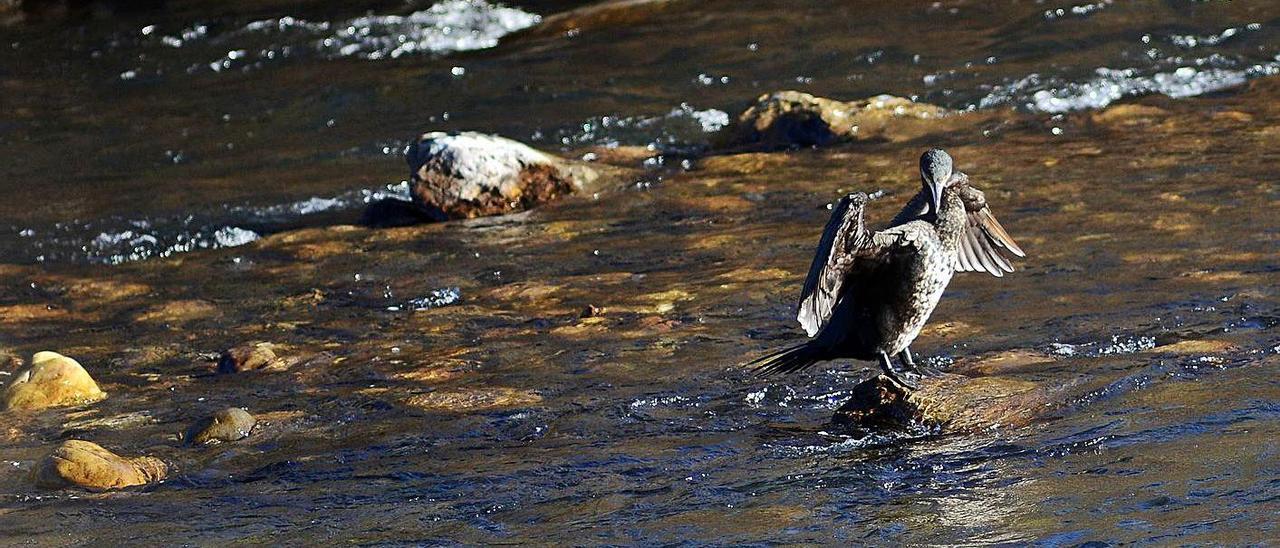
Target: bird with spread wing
<point>869,293</point>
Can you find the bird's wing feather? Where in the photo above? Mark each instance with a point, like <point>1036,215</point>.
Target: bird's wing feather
<point>841,244</point>
<point>847,245</point>
<point>903,240</point>
<point>986,244</point>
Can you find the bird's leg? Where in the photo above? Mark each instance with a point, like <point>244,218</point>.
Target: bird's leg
<point>909,379</point>
<point>909,363</point>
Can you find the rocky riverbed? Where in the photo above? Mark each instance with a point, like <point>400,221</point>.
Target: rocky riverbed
<point>566,368</point>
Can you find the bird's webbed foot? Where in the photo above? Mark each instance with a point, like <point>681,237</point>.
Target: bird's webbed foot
<point>909,363</point>
<point>905,377</point>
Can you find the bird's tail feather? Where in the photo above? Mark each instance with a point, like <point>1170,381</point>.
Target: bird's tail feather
<point>787,360</point>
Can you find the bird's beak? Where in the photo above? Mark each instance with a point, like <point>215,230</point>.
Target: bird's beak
<point>936,188</point>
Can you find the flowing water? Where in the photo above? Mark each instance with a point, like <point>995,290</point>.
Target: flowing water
<point>180,179</point>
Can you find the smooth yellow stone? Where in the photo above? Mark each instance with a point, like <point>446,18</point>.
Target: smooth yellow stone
<point>53,380</point>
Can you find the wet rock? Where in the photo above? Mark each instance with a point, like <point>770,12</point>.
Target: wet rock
<point>228,425</point>
<point>792,118</point>
<point>468,174</point>
<point>250,357</point>
<point>472,399</point>
<point>1194,346</point>
<point>946,404</point>
<point>53,380</point>
<point>1001,363</point>
<point>87,465</point>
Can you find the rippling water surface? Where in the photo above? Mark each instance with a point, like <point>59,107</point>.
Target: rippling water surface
<point>188,120</point>
<point>464,398</point>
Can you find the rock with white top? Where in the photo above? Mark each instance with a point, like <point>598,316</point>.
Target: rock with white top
<point>468,174</point>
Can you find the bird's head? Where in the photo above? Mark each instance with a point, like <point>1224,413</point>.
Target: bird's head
<point>935,175</point>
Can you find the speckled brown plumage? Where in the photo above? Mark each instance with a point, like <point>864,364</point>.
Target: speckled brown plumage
<point>868,294</point>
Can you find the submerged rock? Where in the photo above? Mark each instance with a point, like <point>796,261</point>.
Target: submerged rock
<point>53,380</point>
<point>1195,347</point>
<point>249,357</point>
<point>472,399</point>
<point>948,403</point>
<point>78,463</point>
<point>792,118</point>
<point>228,425</point>
<point>469,174</point>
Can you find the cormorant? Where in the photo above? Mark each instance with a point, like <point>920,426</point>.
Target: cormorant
<point>868,294</point>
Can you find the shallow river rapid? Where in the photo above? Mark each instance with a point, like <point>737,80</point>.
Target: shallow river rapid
<point>183,179</point>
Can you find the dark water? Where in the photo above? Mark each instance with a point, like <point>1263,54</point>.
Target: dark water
<point>505,417</point>
<point>148,133</point>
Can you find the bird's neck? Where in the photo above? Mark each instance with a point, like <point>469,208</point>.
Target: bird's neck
<point>952,219</point>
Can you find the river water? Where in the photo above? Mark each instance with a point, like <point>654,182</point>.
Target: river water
<point>179,180</point>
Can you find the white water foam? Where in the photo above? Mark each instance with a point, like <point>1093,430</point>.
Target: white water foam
<point>453,25</point>
<point>446,27</point>
<point>683,124</point>
<point>117,240</point>
<point>1175,76</point>
<point>1110,85</point>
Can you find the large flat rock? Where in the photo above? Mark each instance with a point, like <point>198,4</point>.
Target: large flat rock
<point>947,403</point>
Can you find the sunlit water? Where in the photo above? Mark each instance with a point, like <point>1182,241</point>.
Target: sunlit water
<point>140,118</point>
<point>128,146</point>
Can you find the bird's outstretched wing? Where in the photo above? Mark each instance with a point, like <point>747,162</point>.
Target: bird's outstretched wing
<point>985,244</point>
<point>842,242</point>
